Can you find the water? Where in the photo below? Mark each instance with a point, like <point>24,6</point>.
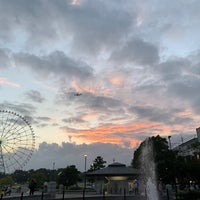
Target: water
<point>148,169</point>
<point>151,190</point>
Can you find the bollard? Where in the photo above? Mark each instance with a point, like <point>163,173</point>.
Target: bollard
<point>176,192</point>
<point>42,196</point>
<point>63,194</point>
<point>84,194</point>
<point>22,194</point>
<point>103,194</point>
<point>167,194</point>
<point>51,187</point>
<point>124,193</point>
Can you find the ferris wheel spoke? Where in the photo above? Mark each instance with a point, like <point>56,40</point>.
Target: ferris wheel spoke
<point>11,149</point>
<point>7,150</point>
<point>4,123</point>
<point>21,155</point>
<point>10,132</point>
<point>17,129</point>
<point>23,148</point>
<point>7,134</point>
<point>15,120</point>
<point>21,142</point>
<point>22,133</point>
<point>16,157</point>
<point>8,124</point>
<point>27,146</point>
<point>2,163</point>
<point>17,161</point>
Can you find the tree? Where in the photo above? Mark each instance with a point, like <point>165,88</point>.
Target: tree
<point>20,176</point>
<point>98,163</point>
<point>6,180</point>
<point>40,176</point>
<point>69,176</point>
<point>166,160</point>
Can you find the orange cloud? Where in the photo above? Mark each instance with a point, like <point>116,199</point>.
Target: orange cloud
<point>54,119</point>
<point>3,81</point>
<point>75,2</point>
<point>82,88</point>
<point>90,116</point>
<point>118,134</point>
<point>116,80</point>
<point>184,113</point>
<point>75,86</point>
<point>94,89</point>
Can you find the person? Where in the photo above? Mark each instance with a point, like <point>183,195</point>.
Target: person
<point>130,189</point>
<point>32,187</point>
<point>45,186</point>
<point>136,186</point>
<point>8,190</point>
<point>3,192</point>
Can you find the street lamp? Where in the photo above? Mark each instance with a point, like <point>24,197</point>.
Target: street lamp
<point>53,172</point>
<point>85,156</point>
<point>169,137</point>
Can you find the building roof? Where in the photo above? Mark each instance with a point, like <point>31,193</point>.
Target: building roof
<point>190,142</point>
<point>115,169</point>
<point>187,144</point>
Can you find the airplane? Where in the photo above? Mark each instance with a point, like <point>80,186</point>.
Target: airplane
<point>77,94</point>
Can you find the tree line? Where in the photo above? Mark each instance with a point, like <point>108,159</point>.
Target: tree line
<point>69,176</point>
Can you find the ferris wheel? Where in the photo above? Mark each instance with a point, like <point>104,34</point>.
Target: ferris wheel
<point>17,141</point>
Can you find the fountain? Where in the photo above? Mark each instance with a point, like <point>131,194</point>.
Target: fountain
<point>148,170</point>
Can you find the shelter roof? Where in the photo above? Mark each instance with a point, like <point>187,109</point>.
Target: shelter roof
<point>115,169</point>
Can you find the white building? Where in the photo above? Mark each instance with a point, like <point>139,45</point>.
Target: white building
<point>191,147</point>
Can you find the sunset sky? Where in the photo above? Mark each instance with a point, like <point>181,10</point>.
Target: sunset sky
<point>134,62</point>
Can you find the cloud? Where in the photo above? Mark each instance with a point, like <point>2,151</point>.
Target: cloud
<point>25,109</point>
<point>25,17</point>
<point>3,81</point>
<point>54,65</point>
<point>35,96</point>
<point>136,51</point>
<point>95,28</point>
<point>44,118</point>
<point>71,153</point>
<point>120,134</point>
<point>165,115</point>
<point>4,59</point>
<point>173,69</point>
<point>94,101</point>
<point>76,120</point>
<point>82,25</point>
<point>187,90</point>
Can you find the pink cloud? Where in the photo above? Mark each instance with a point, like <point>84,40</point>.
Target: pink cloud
<point>3,81</point>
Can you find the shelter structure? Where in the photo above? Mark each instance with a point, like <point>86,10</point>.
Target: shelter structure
<point>116,178</point>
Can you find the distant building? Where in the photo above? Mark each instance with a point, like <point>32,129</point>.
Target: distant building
<point>191,147</point>
<point>198,134</point>
<point>114,179</point>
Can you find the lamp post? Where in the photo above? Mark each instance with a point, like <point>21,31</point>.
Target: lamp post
<point>169,138</point>
<point>53,178</point>
<point>85,156</point>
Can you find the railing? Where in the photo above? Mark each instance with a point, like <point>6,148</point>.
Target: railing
<point>21,196</point>
<point>72,195</point>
